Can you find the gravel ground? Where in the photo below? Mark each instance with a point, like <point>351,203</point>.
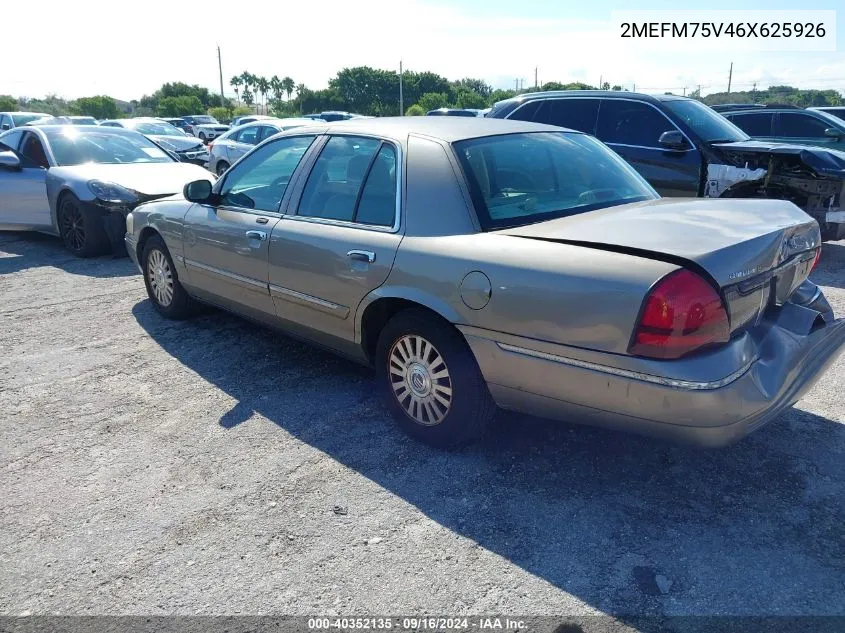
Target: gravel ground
<point>213,467</point>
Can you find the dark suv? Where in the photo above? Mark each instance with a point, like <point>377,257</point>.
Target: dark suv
<point>684,148</point>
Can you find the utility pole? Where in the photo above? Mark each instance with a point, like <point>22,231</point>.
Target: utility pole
<point>401,96</point>
<point>685,91</point>
<point>730,76</point>
<point>601,77</point>
<point>220,70</point>
<point>536,83</point>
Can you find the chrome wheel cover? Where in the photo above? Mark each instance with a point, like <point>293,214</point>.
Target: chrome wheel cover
<point>420,380</point>
<point>160,277</point>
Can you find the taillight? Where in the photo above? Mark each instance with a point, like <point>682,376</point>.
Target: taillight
<point>210,145</point>
<point>682,313</point>
<point>816,259</point>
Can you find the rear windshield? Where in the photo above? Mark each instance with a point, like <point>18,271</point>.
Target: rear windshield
<point>519,179</point>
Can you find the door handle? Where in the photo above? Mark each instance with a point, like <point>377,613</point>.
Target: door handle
<point>362,256</point>
<point>261,220</point>
<point>256,235</point>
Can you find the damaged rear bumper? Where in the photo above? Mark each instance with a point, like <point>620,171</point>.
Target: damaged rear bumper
<point>760,373</point>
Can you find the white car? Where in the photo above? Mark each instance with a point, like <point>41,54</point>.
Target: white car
<point>205,127</point>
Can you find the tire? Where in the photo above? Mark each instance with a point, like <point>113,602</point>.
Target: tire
<point>202,138</point>
<point>447,419</point>
<point>81,229</point>
<point>222,166</point>
<point>163,288</point>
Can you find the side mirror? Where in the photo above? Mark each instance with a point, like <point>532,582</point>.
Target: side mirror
<point>833,133</point>
<point>197,191</point>
<point>10,160</point>
<point>6,126</point>
<point>672,139</point>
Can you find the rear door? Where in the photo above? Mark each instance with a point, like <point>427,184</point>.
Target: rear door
<point>339,238</point>
<point>242,141</point>
<point>758,125</point>
<point>632,129</point>
<point>226,244</point>
<point>23,192</point>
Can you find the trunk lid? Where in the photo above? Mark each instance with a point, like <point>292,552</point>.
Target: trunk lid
<point>757,251</point>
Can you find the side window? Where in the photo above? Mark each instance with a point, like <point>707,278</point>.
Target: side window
<point>110,124</point>
<point>796,125</point>
<point>576,114</point>
<point>259,180</point>
<point>753,124</point>
<point>248,135</point>
<point>5,122</point>
<point>631,123</point>
<point>338,175</point>
<point>266,132</point>
<point>529,111</point>
<point>377,204</point>
<point>33,150</point>
<point>12,140</point>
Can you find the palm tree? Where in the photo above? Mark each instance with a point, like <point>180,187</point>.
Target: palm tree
<point>236,82</point>
<point>276,87</point>
<point>248,80</point>
<point>288,85</point>
<point>263,87</point>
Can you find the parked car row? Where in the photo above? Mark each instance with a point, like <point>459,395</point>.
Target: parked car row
<point>478,263</point>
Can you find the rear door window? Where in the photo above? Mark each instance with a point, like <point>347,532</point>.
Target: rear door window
<point>799,125</point>
<point>631,123</point>
<point>575,114</point>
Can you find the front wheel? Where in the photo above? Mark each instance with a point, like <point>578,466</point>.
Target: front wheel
<point>222,166</point>
<point>163,287</point>
<point>430,380</point>
<point>82,230</point>
<point>202,138</point>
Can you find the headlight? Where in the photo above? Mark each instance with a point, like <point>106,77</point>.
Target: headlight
<point>111,192</point>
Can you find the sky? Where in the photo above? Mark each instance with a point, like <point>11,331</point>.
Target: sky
<point>89,47</point>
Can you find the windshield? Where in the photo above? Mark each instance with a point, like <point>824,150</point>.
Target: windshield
<point>79,145</point>
<point>835,121</point>
<point>23,119</point>
<point>205,119</point>
<point>519,179</point>
<point>709,125</point>
<point>155,128</point>
<point>83,120</point>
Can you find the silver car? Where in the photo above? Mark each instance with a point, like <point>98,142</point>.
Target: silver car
<point>187,148</point>
<point>232,145</point>
<point>80,182</point>
<point>477,263</point>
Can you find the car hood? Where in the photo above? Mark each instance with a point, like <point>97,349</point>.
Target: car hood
<point>177,143</point>
<point>148,179</point>
<point>829,162</point>
<point>729,239</point>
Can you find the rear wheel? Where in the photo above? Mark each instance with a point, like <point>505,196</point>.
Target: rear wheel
<point>81,229</point>
<point>222,166</point>
<point>430,380</point>
<point>163,287</point>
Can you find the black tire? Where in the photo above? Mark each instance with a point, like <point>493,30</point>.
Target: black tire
<point>82,230</point>
<point>222,166</point>
<point>203,139</point>
<point>470,408</point>
<point>156,275</point>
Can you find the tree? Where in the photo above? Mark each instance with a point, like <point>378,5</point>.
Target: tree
<point>248,98</point>
<point>220,113</point>
<point>433,101</point>
<point>478,86</point>
<point>470,99</point>
<point>179,106</point>
<point>605,85</point>
<point>501,95</point>
<point>99,107</point>
<point>8,103</point>
<point>616,87</point>
<point>288,85</point>
<point>276,87</point>
<point>415,110</point>
<point>236,82</point>
<point>263,86</point>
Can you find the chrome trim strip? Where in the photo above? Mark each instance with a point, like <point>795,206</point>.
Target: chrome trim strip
<point>310,301</point>
<point>626,373</point>
<point>225,273</point>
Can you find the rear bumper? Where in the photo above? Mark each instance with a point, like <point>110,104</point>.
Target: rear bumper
<point>713,411</point>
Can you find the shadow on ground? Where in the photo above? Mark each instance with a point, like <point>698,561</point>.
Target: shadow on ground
<point>25,250</point>
<point>626,524</point>
<point>830,271</point>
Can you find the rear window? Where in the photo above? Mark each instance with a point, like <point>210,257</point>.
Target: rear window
<point>519,179</point>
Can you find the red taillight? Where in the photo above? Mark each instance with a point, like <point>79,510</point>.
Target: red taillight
<point>681,313</point>
<point>210,145</point>
<point>816,259</point>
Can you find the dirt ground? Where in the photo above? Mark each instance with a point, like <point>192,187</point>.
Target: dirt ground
<point>214,467</point>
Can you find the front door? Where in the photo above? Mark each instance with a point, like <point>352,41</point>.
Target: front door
<point>340,243</point>
<point>23,192</point>
<point>226,244</point>
<point>632,129</point>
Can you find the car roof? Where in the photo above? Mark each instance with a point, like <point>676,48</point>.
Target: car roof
<point>604,94</point>
<point>448,129</point>
<point>78,129</point>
